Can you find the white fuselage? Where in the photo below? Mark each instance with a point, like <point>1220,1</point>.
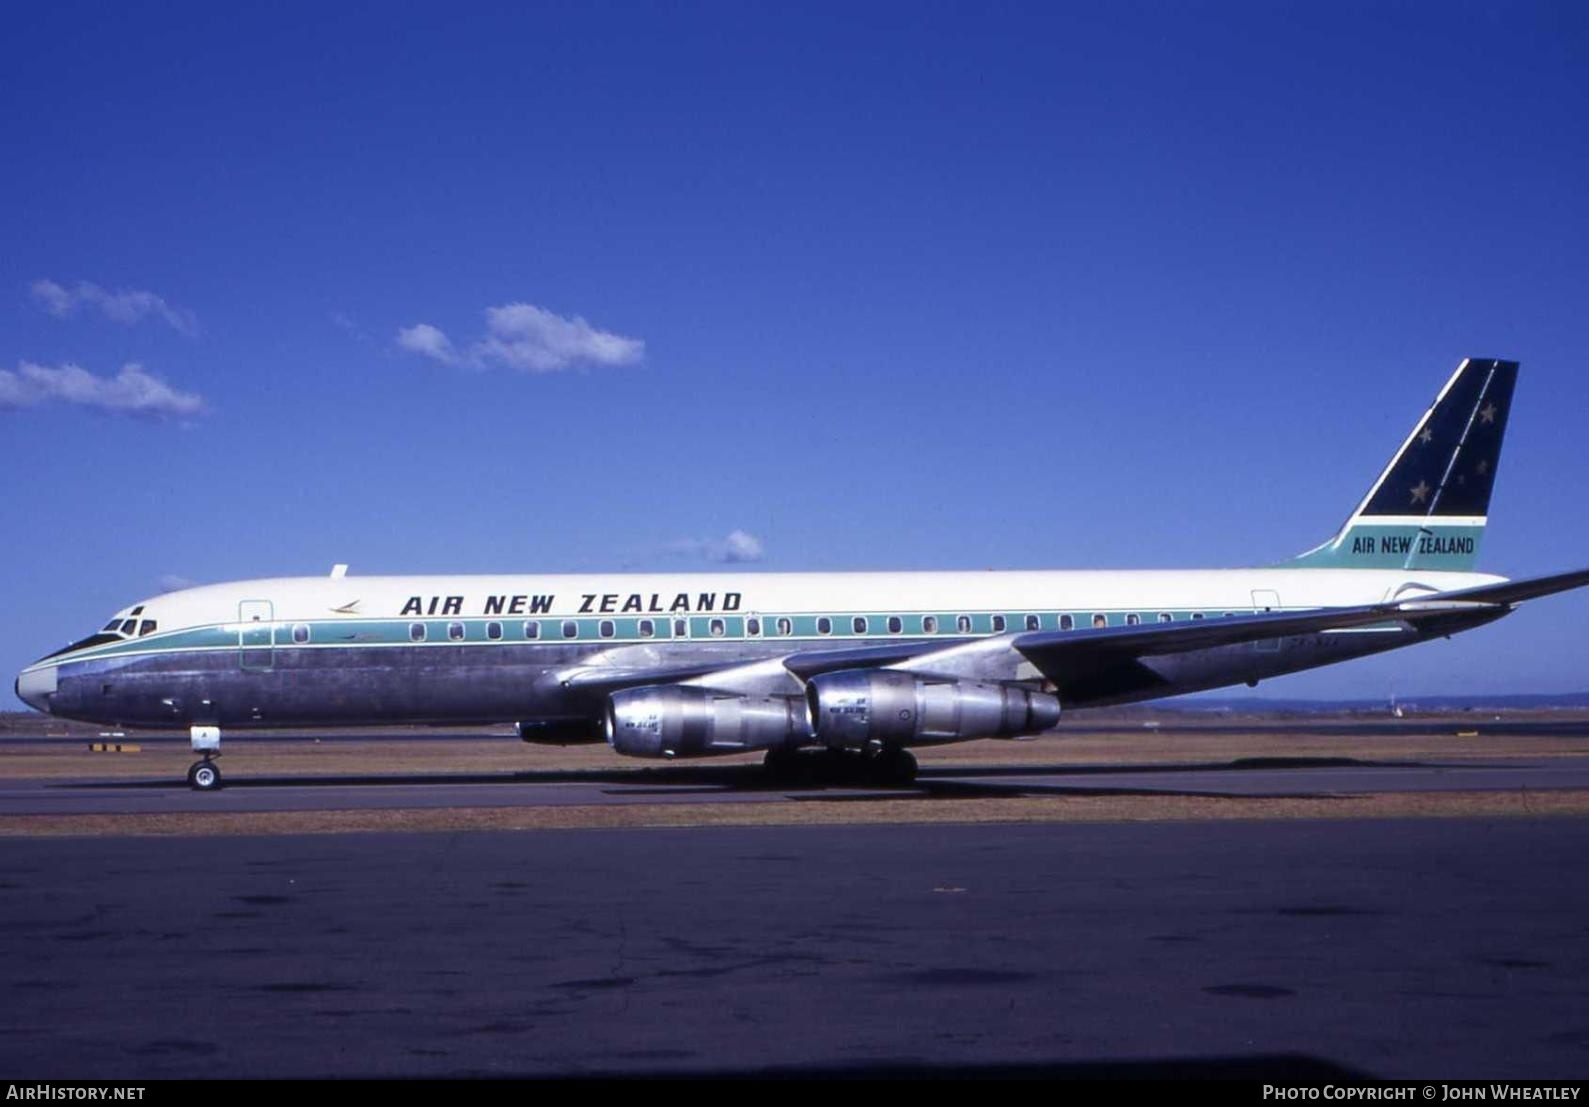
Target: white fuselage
<point>358,650</point>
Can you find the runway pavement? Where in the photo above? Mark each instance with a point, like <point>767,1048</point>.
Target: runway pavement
<point>1421,949</point>
<point>706,783</point>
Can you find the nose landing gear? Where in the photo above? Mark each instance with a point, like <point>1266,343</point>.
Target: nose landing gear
<point>205,775</point>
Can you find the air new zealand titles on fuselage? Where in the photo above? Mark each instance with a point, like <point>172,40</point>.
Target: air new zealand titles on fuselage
<point>590,603</point>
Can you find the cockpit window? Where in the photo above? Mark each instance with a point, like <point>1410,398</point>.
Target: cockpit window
<point>114,624</point>
<point>100,639</point>
<point>147,627</point>
<point>129,625</point>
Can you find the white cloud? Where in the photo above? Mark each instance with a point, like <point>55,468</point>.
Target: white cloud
<point>133,391</point>
<point>422,338</point>
<point>126,305</point>
<point>739,547</point>
<point>528,338</point>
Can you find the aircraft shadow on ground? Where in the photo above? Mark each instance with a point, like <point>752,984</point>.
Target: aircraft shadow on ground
<point>818,781</point>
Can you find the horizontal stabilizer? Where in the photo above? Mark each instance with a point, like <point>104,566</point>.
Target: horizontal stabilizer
<point>1513,591</point>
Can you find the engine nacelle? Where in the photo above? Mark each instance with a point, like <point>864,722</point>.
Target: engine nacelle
<point>859,707</point>
<point>675,721</point>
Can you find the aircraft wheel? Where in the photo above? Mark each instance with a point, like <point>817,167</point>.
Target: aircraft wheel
<point>204,776</point>
<point>790,766</point>
<point>895,767</point>
<point>780,764</point>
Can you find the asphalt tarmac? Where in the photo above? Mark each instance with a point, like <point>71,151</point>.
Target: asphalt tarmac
<point>1422,949</point>
<point>704,782</point>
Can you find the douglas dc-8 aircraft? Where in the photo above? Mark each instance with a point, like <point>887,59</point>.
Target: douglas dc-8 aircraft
<point>871,663</point>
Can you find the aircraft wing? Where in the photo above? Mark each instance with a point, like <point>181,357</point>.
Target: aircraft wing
<point>1092,664</point>
<point>1087,663</point>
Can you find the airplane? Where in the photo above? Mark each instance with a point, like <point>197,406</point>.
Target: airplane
<point>866,665</point>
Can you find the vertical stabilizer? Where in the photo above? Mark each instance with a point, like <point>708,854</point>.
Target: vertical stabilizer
<point>1428,508</point>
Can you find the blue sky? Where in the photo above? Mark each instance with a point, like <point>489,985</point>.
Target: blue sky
<point>874,286</point>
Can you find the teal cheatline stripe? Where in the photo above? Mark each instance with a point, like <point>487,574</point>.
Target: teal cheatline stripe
<point>798,630</point>
<point>1362,545</point>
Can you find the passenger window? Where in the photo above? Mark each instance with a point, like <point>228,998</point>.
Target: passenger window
<point>1133,620</point>
<point>895,624</point>
<point>455,631</point>
<point>681,628</point>
<point>929,624</point>
<point>570,628</point>
<point>1230,614</point>
<point>493,631</point>
<point>1166,617</point>
<point>785,626</point>
<point>300,633</point>
<point>998,624</point>
<point>146,627</point>
<point>753,626</point>
<point>532,628</point>
<point>416,632</point>
<point>858,624</point>
<point>607,628</point>
<point>1197,614</point>
<point>963,624</point>
<point>648,629</point>
<point>1067,622</point>
<point>717,628</point>
<point>1099,621</point>
<point>824,625</point>
<point>1034,623</point>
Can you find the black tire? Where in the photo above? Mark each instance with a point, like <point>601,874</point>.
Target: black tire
<point>892,768</point>
<point>204,776</point>
<point>784,766</point>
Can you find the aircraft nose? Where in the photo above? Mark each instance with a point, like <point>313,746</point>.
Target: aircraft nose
<point>36,686</point>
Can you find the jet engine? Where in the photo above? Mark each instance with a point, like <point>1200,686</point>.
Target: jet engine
<point>676,721</point>
<point>857,708</point>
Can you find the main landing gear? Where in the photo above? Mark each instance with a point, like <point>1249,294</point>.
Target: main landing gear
<point>885,768</point>
<point>205,775</point>
<point>891,767</point>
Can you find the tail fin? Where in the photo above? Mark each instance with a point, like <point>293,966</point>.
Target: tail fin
<point>1428,508</point>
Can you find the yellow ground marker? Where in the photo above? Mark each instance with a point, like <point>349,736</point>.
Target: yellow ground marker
<point>113,747</point>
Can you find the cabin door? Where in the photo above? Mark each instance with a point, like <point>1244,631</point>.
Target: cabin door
<point>256,635</point>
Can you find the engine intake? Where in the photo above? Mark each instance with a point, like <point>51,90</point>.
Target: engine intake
<point>676,721</point>
<point>858,707</point>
